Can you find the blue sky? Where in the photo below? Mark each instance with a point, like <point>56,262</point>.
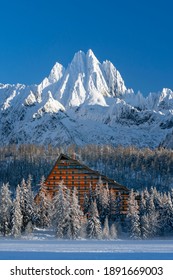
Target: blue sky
<point>136,36</point>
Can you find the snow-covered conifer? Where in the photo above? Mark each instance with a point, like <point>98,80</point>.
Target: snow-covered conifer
<point>75,215</point>
<point>5,210</point>
<point>85,204</point>
<point>145,226</point>
<point>166,215</point>
<point>43,212</point>
<point>133,217</point>
<point>17,215</point>
<point>59,210</point>
<point>27,203</point>
<point>112,206</point>
<point>153,216</point>
<point>113,231</point>
<point>105,233</point>
<point>93,228</point>
<point>31,203</point>
<point>144,222</point>
<point>67,233</point>
<point>102,199</point>
<point>118,208</point>
<point>29,228</point>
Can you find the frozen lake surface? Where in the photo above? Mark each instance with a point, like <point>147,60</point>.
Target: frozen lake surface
<point>42,245</point>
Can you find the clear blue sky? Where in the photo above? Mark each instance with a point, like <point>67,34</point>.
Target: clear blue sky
<point>136,36</point>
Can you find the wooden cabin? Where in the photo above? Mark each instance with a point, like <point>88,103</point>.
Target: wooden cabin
<point>75,174</point>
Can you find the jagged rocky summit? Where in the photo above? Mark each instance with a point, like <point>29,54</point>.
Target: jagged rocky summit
<point>85,103</point>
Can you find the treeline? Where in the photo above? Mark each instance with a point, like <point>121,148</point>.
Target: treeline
<point>149,213</point>
<point>130,166</point>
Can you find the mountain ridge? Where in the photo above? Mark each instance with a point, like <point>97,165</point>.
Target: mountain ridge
<point>86,102</point>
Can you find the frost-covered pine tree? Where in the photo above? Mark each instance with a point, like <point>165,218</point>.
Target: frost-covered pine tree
<point>133,217</point>
<point>43,212</point>
<point>145,226</point>
<point>166,223</point>
<point>5,210</point>
<point>118,207</point>
<point>156,198</point>
<point>102,200</point>
<point>23,203</point>
<point>27,203</point>
<point>60,207</point>
<point>91,195</point>
<point>93,228</point>
<point>144,222</point>
<point>31,203</point>
<point>153,217</point>
<point>75,215</point>
<point>105,233</point>
<point>112,206</point>
<point>17,215</point>
<point>85,204</point>
<point>67,232</point>
<point>146,194</point>
<point>113,231</point>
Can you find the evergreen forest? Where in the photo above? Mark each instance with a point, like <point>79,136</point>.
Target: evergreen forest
<point>147,173</point>
<point>132,167</point>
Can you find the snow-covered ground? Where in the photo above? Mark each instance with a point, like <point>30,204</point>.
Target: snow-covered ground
<point>43,245</point>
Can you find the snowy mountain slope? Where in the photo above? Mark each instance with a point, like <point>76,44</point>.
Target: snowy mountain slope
<point>87,102</point>
<point>168,141</point>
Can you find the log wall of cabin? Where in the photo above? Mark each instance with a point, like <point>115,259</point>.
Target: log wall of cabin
<point>75,175</point>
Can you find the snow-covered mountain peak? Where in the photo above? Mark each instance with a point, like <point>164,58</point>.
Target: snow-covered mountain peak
<point>91,57</point>
<point>78,63</point>
<point>87,102</point>
<point>90,53</point>
<point>166,93</point>
<point>165,99</point>
<point>56,73</point>
<point>51,106</point>
<point>85,80</point>
<point>113,77</point>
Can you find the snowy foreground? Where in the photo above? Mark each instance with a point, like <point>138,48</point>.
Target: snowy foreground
<point>43,246</point>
